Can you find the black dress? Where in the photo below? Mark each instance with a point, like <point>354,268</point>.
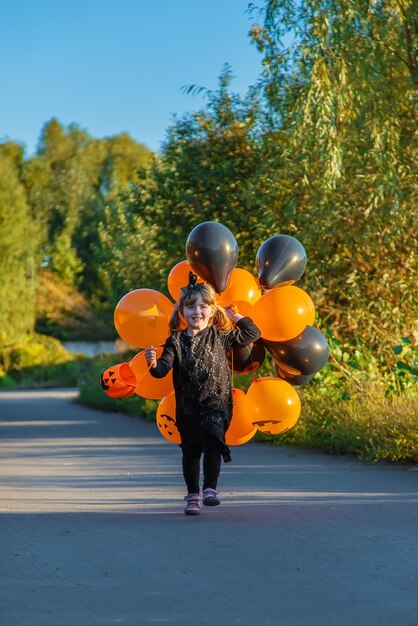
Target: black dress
<point>202,379</point>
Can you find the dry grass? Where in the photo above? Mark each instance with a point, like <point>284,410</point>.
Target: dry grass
<point>61,311</point>
<point>369,425</point>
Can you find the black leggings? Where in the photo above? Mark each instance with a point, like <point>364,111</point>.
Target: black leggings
<point>210,447</point>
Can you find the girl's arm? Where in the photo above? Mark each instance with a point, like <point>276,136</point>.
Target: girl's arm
<point>245,333</point>
<point>160,367</point>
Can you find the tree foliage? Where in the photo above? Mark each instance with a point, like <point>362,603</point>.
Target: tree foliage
<point>208,170</point>
<point>126,255</point>
<point>341,106</point>
<point>323,148</point>
<point>69,182</point>
<point>18,236</point>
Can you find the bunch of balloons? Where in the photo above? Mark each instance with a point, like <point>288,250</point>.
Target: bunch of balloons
<point>283,312</point>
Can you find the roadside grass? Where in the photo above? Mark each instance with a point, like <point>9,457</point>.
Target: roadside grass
<point>44,376</point>
<point>369,425</point>
<point>38,361</point>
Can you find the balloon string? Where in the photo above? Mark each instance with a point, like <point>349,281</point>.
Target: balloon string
<point>252,362</point>
<point>138,380</point>
<point>232,373</point>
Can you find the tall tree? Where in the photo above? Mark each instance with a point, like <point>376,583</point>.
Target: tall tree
<point>208,170</point>
<point>18,237</point>
<point>69,181</point>
<point>340,81</point>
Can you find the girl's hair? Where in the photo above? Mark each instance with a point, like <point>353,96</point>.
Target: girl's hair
<point>187,297</point>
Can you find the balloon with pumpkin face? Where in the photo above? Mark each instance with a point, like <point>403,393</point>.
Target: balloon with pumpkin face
<point>275,405</point>
<point>166,419</point>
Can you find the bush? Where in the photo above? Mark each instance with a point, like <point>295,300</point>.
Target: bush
<point>359,405</point>
<point>368,424</point>
<point>38,361</point>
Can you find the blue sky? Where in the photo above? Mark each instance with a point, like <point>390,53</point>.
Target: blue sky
<point>115,66</point>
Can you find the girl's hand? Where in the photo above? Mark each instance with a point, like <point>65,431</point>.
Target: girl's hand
<point>232,313</point>
<point>151,356</point>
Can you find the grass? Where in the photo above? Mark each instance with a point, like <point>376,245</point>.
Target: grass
<point>369,425</point>
<point>38,361</point>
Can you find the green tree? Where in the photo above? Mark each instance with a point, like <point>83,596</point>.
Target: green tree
<point>208,170</point>
<point>123,164</point>
<point>69,182</point>
<point>342,112</point>
<point>18,237</point>
<point>127,256</point>
<point>61,186</point>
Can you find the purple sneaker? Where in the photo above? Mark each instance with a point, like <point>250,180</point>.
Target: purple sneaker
<point>193,504</point>
<point>210,497</point>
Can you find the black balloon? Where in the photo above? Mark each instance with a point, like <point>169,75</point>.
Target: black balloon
<point>295,381</point>
<point>247,359</point>
<point>280,260</point>
<point>307,353</point>
<point>212,251</point>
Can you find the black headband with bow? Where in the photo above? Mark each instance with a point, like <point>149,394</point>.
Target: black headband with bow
<point>193,287</point>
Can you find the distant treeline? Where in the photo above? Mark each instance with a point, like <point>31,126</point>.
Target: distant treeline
<point>323,147</point>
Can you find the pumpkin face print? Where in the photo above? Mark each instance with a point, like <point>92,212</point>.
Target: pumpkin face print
<point>166,419</point>
<point>118,381</point>
<point>275,405</point>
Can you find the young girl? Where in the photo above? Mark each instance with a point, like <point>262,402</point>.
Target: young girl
<point>202,383</point>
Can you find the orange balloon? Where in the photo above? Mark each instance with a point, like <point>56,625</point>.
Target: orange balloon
<point>309,302</point>
<point>146,385</point>
<point>281,314</point>
<point>179,278</point>
<point>274,403</point>
<point>141,317</point>
<point>166,419</point>
<point>241,428</point>
<point>242,287</point>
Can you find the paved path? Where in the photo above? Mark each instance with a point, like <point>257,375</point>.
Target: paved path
<point>92,530</point>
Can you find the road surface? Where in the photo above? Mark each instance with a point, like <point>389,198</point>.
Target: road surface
<point>93,531</point>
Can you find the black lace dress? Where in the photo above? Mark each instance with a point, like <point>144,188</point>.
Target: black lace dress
<point>202,379</point>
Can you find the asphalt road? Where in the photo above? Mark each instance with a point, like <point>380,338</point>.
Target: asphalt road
<point>93,532</point>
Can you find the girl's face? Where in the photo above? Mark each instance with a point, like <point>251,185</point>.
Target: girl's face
<point>197,314</point>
